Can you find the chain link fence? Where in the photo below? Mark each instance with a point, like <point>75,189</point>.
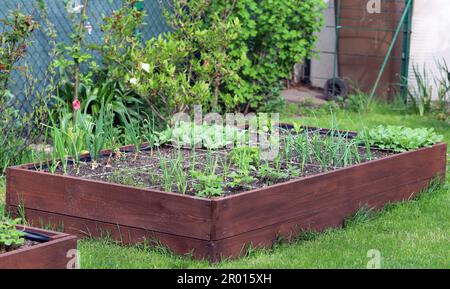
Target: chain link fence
<point>38,57</point>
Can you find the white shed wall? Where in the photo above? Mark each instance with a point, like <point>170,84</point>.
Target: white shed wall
<point>430,40</point>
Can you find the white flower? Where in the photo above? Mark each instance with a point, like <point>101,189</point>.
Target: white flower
<point>145,67</point>
<point>77,9</point>
<point>134,81</point>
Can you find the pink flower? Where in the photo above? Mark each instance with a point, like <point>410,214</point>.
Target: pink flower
<point>76,104</point>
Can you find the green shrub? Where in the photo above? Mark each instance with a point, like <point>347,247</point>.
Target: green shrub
<point>223,55</point>
<point>170,72</point>
<point>274,36</point>
<point>190,65</point>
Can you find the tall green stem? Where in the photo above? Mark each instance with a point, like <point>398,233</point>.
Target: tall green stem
<point>78,42</point>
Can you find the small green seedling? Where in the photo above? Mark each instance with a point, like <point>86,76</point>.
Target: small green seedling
<point>240,180</point>
<point>207,185</point>
<point>9,235</point>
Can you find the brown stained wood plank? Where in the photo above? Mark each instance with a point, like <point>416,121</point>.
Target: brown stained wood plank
<point>200,249</point>
<point>156,211</point>
<point>272,205</point>
<point>234,247</point>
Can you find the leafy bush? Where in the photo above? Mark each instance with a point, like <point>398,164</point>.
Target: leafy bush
<point>223,55</point>
<point>398,138</point>
<point>274,36</point>
<point>187,66</point>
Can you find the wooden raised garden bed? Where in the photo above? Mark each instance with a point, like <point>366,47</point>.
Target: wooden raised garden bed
<point>52,254</point>
<point>223,226</point>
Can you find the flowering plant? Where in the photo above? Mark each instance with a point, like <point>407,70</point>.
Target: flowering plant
<point>76,105</point>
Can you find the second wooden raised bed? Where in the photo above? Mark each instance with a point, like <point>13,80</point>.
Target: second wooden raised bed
<point>58,253</point>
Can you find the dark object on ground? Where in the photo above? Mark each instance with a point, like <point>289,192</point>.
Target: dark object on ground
<point>334,88</point>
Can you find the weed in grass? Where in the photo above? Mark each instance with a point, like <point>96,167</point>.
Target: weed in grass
<point>306,236</point>
<point>443,84</point>
<point>364,214</point>
<point>436,185</point>
<point>357,102</point>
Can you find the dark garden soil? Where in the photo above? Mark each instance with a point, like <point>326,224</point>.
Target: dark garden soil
<point>144,169</point>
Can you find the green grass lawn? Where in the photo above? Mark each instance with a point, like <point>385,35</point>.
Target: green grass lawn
<point>415,234</point>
